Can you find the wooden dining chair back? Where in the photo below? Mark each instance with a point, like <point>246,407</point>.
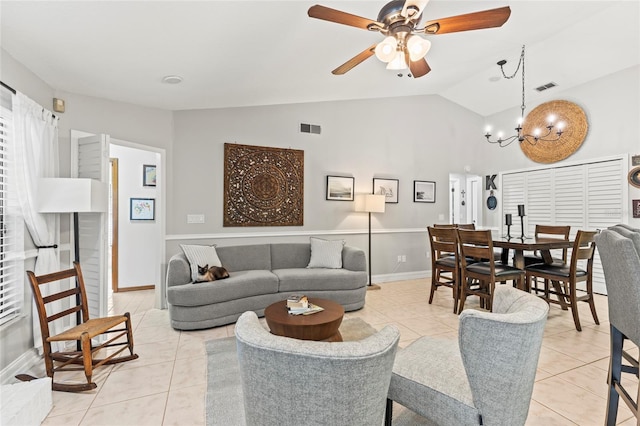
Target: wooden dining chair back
<point>549,231</point>
<point>564,277</point>
<point>455,225</point>
<point>470,226</point>
<point>479,277</point>
<point>445,262</point>
<point>88,329</point>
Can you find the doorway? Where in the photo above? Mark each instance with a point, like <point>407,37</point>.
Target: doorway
<point>465,199</point>
<point>113,224</point>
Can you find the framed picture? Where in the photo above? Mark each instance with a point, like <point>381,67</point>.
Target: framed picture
<point>340,188</point>
<point>142,209</point>
<point>386,187</point>
<point>635,206</point>
<point>148,175</point>
<point>424,191</point>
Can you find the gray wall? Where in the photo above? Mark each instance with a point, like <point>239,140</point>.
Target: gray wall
<point>612,106</point>
<point>411,138</point>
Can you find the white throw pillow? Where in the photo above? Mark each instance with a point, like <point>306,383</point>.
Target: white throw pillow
<point>325,253</point>
<point>200,256</point>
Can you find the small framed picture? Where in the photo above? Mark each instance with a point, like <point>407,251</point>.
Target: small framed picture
<point>148,175</point>
<point>340,188</point>
<point>424,191</point>
<point>142,209</point>
<point>635,206</point>
<point>386,187</point>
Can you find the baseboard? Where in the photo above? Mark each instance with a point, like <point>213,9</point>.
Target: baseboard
<point>140,287</point>
<point>22,364</point>
<point>401,276</point>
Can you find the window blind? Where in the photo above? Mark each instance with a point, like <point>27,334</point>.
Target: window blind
<point>11,229</point>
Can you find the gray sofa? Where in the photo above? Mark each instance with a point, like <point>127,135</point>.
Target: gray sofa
<point>260,275</point>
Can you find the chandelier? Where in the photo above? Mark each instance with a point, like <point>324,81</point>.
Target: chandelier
<point>553,130</point>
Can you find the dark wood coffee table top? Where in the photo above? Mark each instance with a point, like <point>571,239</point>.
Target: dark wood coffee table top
<point>319,326</point>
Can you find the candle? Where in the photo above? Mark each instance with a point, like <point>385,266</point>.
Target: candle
<point>507,219</point>
<point>521,210</point>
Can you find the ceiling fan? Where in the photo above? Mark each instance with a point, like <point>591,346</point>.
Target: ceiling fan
<point>398,20</point>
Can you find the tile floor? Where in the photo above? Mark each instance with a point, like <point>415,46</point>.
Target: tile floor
<point>166,385</point>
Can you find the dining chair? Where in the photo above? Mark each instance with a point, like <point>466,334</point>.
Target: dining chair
<point>81,358</point>
<point>619,250</point>
<point>549,231</point>
<point>486,376</point>
<point>565,276</point>
<point>479,277</point>
<point>445,262</point>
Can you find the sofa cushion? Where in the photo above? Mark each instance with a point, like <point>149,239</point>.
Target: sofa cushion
<point>245,258</point>
<point>290,255</point>
<point>326,253</point>
<point>240,284</point>
<point>301,280</point>
<point>200,256</point>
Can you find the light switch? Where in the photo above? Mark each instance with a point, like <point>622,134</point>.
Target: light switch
<point>195,218</point>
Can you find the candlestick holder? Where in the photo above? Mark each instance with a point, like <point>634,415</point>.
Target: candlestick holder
<point>522,227</point>
<point>508,222</point>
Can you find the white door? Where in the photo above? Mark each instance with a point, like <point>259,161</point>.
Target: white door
<point>90,158</point>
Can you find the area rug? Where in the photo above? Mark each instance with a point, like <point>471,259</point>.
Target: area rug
<point>224,403</point>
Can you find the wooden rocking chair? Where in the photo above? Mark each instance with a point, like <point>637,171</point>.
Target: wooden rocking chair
<point>82,333</point>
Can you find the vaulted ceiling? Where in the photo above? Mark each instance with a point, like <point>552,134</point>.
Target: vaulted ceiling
<point>241,53</point>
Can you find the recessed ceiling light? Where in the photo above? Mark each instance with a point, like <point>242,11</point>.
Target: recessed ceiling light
<point>172,79</point>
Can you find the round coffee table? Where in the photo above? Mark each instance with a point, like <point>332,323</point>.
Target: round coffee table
<point>321,326</point>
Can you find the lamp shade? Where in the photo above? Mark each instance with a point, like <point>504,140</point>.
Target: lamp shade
<point>70,195</point>
<point>370,203</point>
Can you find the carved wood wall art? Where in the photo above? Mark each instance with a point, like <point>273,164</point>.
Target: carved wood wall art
<point>263,186</point>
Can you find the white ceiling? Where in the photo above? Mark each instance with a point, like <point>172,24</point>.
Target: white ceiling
<point>241,53</point>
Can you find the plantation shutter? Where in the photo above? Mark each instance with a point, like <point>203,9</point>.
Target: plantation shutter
<point>586,196</point>
<point>92,162</point>
<point>11,228</point>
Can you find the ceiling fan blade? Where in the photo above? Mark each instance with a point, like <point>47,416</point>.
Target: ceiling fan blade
<point>339,17</point>
<point>417,4</point>
<point>360,57</point>
<point>419,68</point>
<point>471,21</point>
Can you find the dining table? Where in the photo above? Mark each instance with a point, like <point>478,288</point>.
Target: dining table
<point>519,245</point>
<point>542,244</point>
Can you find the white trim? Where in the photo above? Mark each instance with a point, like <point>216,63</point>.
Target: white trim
<point>271,234</point>
<point>402,276</point>
<point>22,364</point>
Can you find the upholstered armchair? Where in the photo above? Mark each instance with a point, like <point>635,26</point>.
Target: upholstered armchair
<point>486,377</point>
<point>619,248</point>
<point>292,382</point>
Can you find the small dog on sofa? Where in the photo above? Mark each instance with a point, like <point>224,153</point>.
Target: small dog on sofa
<point>206,273</point>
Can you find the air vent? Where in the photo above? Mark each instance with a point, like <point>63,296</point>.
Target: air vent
<point>310,128</point>
<point>544,87</point>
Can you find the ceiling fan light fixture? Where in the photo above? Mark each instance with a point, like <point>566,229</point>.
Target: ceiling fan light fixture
<point>418,47</point>
<point>386,49</point>
<point>398,62</point>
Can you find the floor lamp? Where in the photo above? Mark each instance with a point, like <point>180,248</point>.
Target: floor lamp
<point>370,203</point>
<point>72,195</point>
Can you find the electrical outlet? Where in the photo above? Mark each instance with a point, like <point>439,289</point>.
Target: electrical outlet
<point>399,258</point>
<point>404,258</point>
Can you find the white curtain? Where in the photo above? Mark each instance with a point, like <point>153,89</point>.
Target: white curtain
<point>36,137</point>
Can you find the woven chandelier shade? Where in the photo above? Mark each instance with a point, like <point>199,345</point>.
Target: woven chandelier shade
<point>575,130</point>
